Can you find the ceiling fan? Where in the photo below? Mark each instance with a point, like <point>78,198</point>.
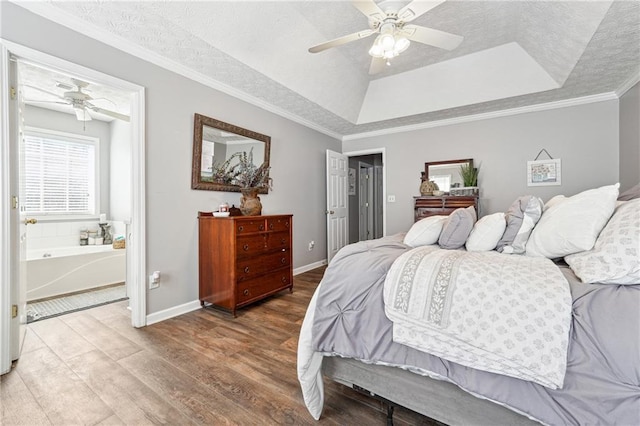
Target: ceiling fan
<point>79,100</point>
<point>394,31</point>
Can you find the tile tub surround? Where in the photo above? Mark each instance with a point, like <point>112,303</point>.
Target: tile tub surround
<point>52,234</point>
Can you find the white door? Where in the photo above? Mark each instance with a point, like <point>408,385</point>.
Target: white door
<point>18,255</point>
<point>337,211</point>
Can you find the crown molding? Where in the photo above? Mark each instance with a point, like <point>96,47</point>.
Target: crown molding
<point>628,85</point>
<point>65,19</point>
<point>486,116</point>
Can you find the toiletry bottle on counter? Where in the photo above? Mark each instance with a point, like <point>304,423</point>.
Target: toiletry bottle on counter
<point>224,207</point>
<point>84,237</point>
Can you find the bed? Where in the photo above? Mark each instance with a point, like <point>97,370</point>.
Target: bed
<point>348,336</point>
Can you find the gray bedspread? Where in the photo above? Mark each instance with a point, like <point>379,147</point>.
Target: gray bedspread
<point>602,381</point>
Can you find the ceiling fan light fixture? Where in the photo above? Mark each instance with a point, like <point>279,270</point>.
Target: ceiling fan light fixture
<point>401,45</point>
<point>387,41</point>
<point>376,50</point>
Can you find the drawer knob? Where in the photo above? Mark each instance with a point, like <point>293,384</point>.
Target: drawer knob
<point>284,279</point>
<point>261,227</point>
<point>283,260</point>
<point>245,247</point>
<point>271,226</point>
<point>246,292</point>
<point>246,269</point>
<point>240,228</point>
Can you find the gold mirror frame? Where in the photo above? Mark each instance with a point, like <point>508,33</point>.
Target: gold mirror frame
<point>196,173</point>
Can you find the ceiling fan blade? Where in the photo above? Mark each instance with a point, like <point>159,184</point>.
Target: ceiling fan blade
<point>377,65</point>
<point>370,9</point>
<point>417,8</point>
<point>432,37</point>
<point>340,41</point>
<point>109,113</point>
<point>82,114</point>
<point>64,86</point>
<point>44,91</point>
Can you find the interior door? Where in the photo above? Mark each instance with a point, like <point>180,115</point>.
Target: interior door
<point>18,258</point>
<point>364,201</point>
<point>337,203</point>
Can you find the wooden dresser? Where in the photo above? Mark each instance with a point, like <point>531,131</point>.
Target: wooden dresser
<point>243,259</point>
<point>426,206</point>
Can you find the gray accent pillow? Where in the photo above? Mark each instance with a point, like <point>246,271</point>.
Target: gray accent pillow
<point>630,194</point>
<point>457,228</point>
<point>521,217</point>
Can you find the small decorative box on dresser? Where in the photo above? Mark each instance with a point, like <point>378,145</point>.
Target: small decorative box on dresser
<point>243,259</point>
<point>427,205</point>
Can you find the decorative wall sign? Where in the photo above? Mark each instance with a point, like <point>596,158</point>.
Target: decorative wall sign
<point>544,172</point>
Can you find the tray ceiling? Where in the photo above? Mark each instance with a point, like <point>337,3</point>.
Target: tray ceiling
<point>514,54</point>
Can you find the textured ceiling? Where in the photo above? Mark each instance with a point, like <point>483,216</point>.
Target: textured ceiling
<point>260,48</point>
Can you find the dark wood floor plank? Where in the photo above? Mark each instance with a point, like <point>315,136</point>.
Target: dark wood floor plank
<point>132,401</point>
<point>199,402</point>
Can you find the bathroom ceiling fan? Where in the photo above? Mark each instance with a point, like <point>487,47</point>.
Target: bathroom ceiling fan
<point>394,31</point>
<point>79,100</point>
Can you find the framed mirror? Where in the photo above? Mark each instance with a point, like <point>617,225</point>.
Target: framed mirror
<point>446,174</point>
<point>214,142</point>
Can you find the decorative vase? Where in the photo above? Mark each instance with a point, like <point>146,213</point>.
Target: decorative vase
<point>250,204</point>
<point>427,187</point>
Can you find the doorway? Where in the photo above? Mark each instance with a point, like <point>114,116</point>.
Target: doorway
<point>76,84</point>
<point>366,197</point>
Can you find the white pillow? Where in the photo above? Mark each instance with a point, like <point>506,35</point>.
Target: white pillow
<point>425,231</point>
<point>615,258</point>
<point>487,232</point>
<point>572,226</point>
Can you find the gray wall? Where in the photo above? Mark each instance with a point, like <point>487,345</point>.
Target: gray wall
<point>630,138</point>
<point>68,123</point>
<point>585,137</point>
<point>120,176</point>
<point>297,155</point>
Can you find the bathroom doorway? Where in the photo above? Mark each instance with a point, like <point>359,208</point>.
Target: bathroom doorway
<point>75,174</point>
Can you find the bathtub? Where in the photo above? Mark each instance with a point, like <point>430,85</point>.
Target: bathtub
<point>55,271</point>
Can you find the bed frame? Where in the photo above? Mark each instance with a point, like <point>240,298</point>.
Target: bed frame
<point>439,400</point>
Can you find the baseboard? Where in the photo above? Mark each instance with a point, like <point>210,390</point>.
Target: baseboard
<point>309,267</point>
<point>195,305</point>
<point>173,312</point>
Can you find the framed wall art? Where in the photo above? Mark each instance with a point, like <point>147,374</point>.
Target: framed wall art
<point>544,172</point>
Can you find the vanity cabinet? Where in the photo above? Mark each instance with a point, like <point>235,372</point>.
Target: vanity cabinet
<point>426,206</point>
<point>243,259</point>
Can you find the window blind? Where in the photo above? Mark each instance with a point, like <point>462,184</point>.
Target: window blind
<point>59,175</point>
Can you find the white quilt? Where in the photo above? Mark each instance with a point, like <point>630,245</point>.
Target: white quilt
<point>500,313</point>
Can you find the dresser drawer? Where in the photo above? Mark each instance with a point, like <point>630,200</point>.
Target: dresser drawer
<point>278,224</point>
<point>247,226</point>
<point>258,287</point>
<point>277,240</point>
<point>250,245</point>
<point>252,267</point>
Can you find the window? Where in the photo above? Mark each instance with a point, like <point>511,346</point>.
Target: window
<point>60,172</point>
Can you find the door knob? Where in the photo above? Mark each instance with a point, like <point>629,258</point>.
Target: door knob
<point>31,221</point>
<point>329,212</point>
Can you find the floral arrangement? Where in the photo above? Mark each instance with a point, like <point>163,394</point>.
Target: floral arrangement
<point>243,173</point>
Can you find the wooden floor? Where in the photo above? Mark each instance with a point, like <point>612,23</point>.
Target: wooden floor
<point>205,367</point>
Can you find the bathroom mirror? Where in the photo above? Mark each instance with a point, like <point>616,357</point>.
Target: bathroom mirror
<point>446,174</point>
<point>214,142</point>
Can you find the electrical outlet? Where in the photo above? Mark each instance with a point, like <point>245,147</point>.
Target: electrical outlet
<point>312,244</point>
<point>154,280</point>
<point>391,198</point>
